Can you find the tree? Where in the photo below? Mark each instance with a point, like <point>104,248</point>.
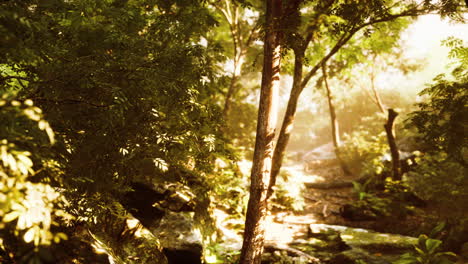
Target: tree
<point>252,246</point>
<point>370,54</point>
<point>330,27</point>
<point>334,123</point>
<point>129,94</point>
<point>441,173</point>
<point>440,120</point>
<point>243,32</point>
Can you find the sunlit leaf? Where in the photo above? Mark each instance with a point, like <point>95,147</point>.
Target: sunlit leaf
<point>11,216</point>
<point>29,235</point>
<point>160,164</point>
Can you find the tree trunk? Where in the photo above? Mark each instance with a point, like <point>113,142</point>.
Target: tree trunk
<point>253,243</point>
<point>389,130</point>
<point>238,63</point>
<point>297,88</point>
<point>287,126</point>
<point>334,123</point>
<point>377,99</point>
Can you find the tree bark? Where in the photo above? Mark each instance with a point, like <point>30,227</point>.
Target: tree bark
<point>253,243</point>
<point>286,127</point>
<point>334,123</point>
<point>390,131</point>
<point>377,99</point>
<point>298,86</point>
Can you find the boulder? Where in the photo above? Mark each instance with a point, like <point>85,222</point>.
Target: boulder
<point>358,256</point>
<point>370,240</point>
<point>180,240</point>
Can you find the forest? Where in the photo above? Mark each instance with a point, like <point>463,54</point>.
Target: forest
<point>233,131</point>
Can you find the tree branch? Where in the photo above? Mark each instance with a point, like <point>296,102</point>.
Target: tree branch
<point>6,78</point>
<point>70,101</point>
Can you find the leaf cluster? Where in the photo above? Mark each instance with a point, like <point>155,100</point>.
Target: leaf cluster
<point>129,93</point>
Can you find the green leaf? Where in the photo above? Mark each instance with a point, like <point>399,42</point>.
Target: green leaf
<point>404,261</point>
<point>406,258</point>
<point>432,245</point>
<point>11,216</point>
<point>29,235</point>
<point>362,195</point>
<point>422,240</point>
<point>437,229</point>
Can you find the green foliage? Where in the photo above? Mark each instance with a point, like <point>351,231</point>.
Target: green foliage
<point>440,180</point>
<point>427,251</point>
<point>129,92</point>
<point>242,128</point>
<point>363,151</point>
<point>229,189</point>
<point>288,193</point>
<point>442,120</point>
<point>396,201</point>
<point>372,207</point>
<point>29,205</point>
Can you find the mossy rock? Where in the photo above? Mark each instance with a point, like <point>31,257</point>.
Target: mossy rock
<point>369,240</point>
<point>358,256</point>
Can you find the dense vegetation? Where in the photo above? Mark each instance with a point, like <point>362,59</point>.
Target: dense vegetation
<point>123,120</point>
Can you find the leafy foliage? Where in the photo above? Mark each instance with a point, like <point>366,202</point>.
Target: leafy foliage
<point>427,251</point>
<point>29,205</point>
<point>441,122</point>
<point>363,151</point>
<point>127,89</point>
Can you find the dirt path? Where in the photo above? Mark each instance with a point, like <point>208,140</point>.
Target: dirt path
<point>321,205</point>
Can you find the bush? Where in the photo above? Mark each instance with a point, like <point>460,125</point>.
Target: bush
<point>363,152</point>
<point>427,251</point>
<point>288,193</point>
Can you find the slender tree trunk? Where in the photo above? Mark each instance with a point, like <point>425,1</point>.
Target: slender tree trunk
<point>253,243</point>
<point>231,14</point>
<point>297,88</point>
<point>238,63</point>
<point>390,131</point>
<point>286,127</point>
<point>334,123</point>
<point>376,95</point>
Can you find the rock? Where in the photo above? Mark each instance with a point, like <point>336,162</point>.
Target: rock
<point>357,256</point>
<point>139,202</point>
<point>126,241</point>
<point>180,240</point>
<point>331,239</point>
<point>191,254</point>
<point>148,203</point>
<point>464,251</point>
<point>355,213</point>
<point>323,152</point>
<point>370,241</point>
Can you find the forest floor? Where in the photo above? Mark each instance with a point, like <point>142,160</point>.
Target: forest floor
<point>322,206</point>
